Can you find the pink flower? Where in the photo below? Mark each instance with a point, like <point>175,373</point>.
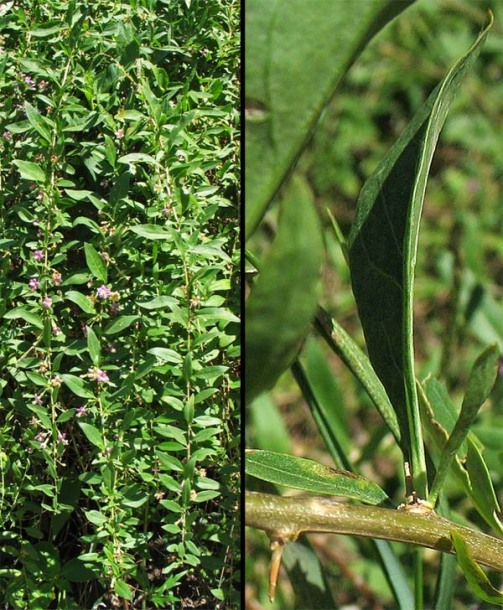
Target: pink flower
<point>47,302</point>
<point>62,438</point>
<point>29,81</point>
<point>55,329</point>
<point>42,439</point>
<point>81,411</point>
<point>103,292</point>
<point>37,399</point>
<point>33,283</point>
<point>98,375</point>
<point>38,255</point>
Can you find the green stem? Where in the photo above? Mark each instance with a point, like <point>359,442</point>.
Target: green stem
<point>285,518</point>
<point>418,579</point>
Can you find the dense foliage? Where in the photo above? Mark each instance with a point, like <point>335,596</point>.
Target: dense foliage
<point>119,306</point>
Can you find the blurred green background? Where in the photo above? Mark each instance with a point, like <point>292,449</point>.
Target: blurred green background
<point>459,275</point>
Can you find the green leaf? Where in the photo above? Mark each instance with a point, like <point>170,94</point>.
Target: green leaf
<point>123,590</point>
<point>81,300</point>
<point>159,302</point>
<point>93,435</point>
<point>218,593</point>
<point>96,517</point>
<point>308,475</point>
<point>480,383</point>
<point>167,354</point>
<point>24,314</point>
<point>438,415</point>
<point>137,158</point>
<point>290,80</point>
<point>151,232</point>
<point>481,486</point>
<point>284,298</point>
<point>309,578</point>
<point>30,171</point>
<point>210,251</point>
<point>76,385</point>
<point>188,410</point>
<point>475,576</point>
<point>95,263</point>
<point>39,123</point>
<point>76,570</point>
<point>120,324</point>
<point>37,378</point>
<point>93,346</point>
<point>382,253</point>
<point>358,363</point>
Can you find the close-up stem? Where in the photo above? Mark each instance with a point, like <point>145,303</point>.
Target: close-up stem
<point>285,518</point>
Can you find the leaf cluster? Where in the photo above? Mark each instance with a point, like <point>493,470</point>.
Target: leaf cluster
<point>119,306</point>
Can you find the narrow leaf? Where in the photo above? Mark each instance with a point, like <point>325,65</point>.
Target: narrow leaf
<point>439,417</point>
<point>95,263</point>
<point>308,475</point>
<point>159,302</point>
<point>151,232</point>
<point>37,122</point>
<point>120,324</point>
<point>481,486</point>
<point>475,576</point>
<point>284,298</point>
<point>382,253</point>
<point>480,383</point>
<point>93,346</point>
<point>358,363</point>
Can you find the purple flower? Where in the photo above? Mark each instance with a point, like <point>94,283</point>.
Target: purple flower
<point>103,292</point>
<point>7,135</point>
<point>42,439</point>
<point>81,411</point>
<point>37,399</point>
<point>33,283</point>
<point>38,255</point>
<point>29,81</point>
<point>114,309</point>
<point>62,438</point>
<point>98,375</point>
<point>47,302</point>
<point>101,376</point>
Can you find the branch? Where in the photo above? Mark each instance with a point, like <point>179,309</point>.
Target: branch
<point>285,518</point>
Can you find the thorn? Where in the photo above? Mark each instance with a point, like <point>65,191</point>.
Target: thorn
<point>277,552</point>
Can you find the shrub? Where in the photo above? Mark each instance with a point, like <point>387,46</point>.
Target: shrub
<point>119,304</point>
